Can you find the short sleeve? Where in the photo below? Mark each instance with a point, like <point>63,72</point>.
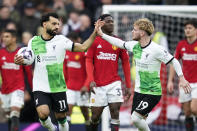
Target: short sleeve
<point>67,43</point>
<point>163,55</point>
<point>129,45</point>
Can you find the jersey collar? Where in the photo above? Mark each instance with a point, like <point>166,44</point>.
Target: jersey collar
<point>47,39</point>
<point>146,45</point>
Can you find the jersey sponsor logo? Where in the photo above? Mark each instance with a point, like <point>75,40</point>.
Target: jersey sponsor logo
<point>3,58</point>
<point>141,65</point>
<point>38,59</point>
<point>114,47</point>
<point>106,56</point>
<point>189,56</point>
<point>99,46</point>
<point>13,66</point>
<point>49,58</point>
<point>73,64</point>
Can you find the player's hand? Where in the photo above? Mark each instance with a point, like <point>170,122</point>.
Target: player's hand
<point>170,86</point>
<point>83,90</point>
<point>98,26</point>
<point>92,86</point>
<point>184,84</point>
<point>127,94</point>
<point>18,59</point>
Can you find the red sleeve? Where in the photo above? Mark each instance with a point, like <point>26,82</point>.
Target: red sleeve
<point>177,53</point>
<point>89,64</point>
<point>65,70</point>
<point>28,71</point>
<point>89,71</point>
<point>126,67</point>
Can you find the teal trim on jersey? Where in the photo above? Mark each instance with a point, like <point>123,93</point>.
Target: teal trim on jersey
<point>137,51</point>
<point>150,83</point>
<point>38,45</point>
<point>56,78</point>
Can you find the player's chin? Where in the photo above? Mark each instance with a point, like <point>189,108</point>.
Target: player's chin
<point>55,32</point>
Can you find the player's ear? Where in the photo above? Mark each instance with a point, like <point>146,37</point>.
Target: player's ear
<point>44,24</point>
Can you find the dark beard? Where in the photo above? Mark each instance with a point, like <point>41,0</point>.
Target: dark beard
<point>50,32</point>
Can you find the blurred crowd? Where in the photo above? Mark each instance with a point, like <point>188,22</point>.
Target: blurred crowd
<point>77,15</point>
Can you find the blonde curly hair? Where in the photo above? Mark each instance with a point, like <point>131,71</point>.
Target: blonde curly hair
<point>145,24</point>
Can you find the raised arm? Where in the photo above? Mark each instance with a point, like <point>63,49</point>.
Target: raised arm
<point>86,44</point>
<point>112,40</point>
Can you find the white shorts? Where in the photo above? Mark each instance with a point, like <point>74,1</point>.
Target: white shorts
<point>15,98</point>
<point>183,97</point>
<point>75,97</point>
<point>111,93</point>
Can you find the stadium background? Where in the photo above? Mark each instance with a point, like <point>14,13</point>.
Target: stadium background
<point>24,16</point>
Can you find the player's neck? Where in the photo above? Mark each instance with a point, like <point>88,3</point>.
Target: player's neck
<point>11,48</point>
<point>108,33</point>
<point>191,39</point>
<point>46,36</point>
<point>144,41</point>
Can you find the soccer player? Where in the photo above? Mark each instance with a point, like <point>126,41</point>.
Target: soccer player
<point>148,58</point>
<point>75,76</point>
<point>186,51</point>
<point>48,82</point>
<point>105,83</point>
<point>13,82</point>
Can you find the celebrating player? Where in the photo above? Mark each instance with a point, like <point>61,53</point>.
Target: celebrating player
<point>48,82</point>
<point>148,57</point>
<point>186,51</point>
<point>13,82</point>
<point>105,83</point>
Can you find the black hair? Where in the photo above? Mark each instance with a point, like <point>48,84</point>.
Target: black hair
<point>73,35</point>
<point>46,17</point>
<point>191,22</point>
<point>12,32</point>
<point>103,16</point>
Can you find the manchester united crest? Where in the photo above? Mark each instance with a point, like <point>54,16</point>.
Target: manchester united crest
<point>77,57</point>
<point>114,47</point>
<point>195,48</point>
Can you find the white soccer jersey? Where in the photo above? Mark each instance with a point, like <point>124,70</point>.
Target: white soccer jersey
<point>148,62</point>
<point>49,56</point>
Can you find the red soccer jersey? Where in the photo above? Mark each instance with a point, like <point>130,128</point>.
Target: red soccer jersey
<point>188,54</point>
<point>12,74</point>
<point>74,70</point>
<point>105,59</point>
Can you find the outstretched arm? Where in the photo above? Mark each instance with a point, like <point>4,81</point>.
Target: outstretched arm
<point>112,40</point>
<point>182,82</point>
<point>86,44</point>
